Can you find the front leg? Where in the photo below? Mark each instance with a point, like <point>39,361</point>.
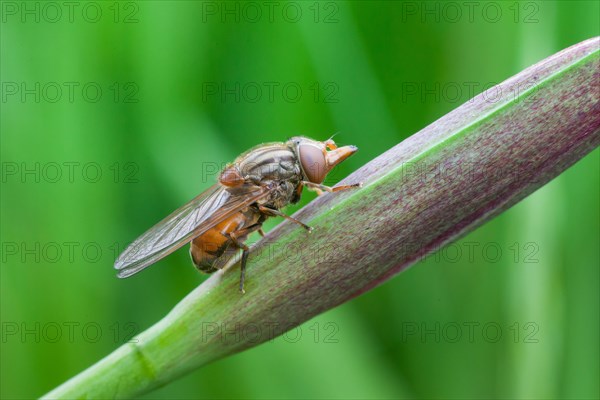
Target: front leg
<point>320,189</point>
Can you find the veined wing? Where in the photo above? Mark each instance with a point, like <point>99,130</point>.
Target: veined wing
<point>189,221</point>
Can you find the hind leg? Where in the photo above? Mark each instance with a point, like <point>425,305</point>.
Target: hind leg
<point>236,239</point>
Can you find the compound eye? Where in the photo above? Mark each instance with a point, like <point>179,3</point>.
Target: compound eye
<point>313,162</point>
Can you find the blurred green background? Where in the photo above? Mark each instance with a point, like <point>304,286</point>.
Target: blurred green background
<point>114,114</point>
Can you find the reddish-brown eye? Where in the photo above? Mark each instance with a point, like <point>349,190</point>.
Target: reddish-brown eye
<point>313,162</point>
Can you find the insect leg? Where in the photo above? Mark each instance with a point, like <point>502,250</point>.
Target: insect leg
<point>322,188</point>
<point>276,213</point>
<point>234,236</point>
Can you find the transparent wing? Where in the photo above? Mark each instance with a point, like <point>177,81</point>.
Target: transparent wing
<point>187,222</point>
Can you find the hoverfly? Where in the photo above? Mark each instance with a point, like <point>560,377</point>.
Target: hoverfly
<point>254,187</point>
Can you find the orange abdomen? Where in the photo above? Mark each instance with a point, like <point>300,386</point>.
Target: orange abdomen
<point>207,248</point>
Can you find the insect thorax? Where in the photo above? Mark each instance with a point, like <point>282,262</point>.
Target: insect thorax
<point>276,163</point>
<point>284,193</point>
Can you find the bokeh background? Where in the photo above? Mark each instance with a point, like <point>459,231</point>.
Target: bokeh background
<point>113,114</point>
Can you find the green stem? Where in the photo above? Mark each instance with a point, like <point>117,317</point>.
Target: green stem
<point>429,190</point>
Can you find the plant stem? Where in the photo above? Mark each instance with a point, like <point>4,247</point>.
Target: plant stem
<point>427,191</point>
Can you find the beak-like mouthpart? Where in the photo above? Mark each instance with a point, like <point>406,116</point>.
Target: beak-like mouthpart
<point>334,157</point>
